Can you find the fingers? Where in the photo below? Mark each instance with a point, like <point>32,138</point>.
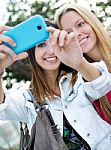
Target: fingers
<point>4,28</point>
<point>5,49</point>
<point>7,56</point>
<point>50,29</point>
<point>5,61</point>
<point>22,56</point>
<point>61,37</point>
<point>6,39</point>
<point>55,36</point>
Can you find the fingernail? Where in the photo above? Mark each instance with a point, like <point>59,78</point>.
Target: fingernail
<point>14,44</point>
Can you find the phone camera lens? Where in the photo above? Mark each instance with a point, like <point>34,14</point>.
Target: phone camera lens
<point>39,27</point>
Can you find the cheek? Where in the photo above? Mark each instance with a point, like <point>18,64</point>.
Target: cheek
<point>94,37</point>
<point>38,55</point>
<point>92,33</point>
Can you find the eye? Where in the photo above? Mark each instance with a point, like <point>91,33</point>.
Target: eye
<point>80,24</point>
<point>41,45</point>
<point>68,32</point>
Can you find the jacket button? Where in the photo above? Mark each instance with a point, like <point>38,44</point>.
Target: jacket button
<point>75,121</point>
<point>65,106</point>
<point>88,134</point>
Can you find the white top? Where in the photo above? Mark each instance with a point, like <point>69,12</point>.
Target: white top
<point>75,102</point>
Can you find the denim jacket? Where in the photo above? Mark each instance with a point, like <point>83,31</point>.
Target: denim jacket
<point>76,104</point>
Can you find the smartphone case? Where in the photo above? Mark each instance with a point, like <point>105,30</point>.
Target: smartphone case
<point>28,34</point>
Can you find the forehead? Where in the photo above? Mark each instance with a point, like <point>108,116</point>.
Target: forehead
<point>71,15</point>
<point>69,18</point>
<point>46,41</point>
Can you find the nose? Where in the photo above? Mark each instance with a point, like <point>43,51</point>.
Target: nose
<point>50,48</point>
<point>77,32</point>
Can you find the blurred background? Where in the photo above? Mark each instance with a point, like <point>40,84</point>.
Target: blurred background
<point>13,12</point>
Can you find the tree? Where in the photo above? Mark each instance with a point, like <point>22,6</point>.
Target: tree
<point>103,11</point>
<point>18,12</point>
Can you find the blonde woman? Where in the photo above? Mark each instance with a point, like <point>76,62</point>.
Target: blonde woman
<point>94,41</point>
<point>68,95</point>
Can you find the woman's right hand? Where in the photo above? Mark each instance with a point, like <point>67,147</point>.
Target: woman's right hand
<point>7,55</point>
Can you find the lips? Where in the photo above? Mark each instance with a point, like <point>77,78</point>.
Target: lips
<point>51,58</point>
<point>83,41</point>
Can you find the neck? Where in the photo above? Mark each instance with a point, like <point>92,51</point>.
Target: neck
<point>52,81</point>
<point>95,55</point>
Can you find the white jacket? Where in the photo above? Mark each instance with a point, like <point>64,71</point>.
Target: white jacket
<point>75,102</point>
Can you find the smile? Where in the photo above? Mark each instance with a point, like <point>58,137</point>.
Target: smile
<point>51,58</point>
<point>83,41</point>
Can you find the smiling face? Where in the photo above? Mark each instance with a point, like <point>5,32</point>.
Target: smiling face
<point>45,56</point>
<point>71,21</point>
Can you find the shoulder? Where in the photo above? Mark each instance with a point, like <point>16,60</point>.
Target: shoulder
<point>19,96</point>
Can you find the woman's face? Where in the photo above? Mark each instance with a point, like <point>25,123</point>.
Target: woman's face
<point>71,21</point>
<point>45,56</point>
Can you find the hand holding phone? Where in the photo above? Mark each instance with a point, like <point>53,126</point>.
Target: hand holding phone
<point>28,34</point>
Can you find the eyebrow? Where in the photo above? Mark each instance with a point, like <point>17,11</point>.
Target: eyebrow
<point>67,29</point>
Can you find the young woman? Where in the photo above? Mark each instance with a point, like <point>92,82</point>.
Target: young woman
<point>94,41</point>
<point>68,94</point>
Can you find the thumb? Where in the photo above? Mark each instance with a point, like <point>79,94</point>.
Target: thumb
<point>22,56</point>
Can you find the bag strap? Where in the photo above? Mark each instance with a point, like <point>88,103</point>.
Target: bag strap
<point>39,107</point>
<point>36,105</point>
<point>24,135</point>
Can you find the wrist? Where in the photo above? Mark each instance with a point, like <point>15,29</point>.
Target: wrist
<point>81,65</point>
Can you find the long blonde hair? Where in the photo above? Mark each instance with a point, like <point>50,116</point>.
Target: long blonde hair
<point>104,41</point>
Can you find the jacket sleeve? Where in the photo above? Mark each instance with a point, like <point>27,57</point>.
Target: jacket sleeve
<point>14,107</point>
<point>100,86</point>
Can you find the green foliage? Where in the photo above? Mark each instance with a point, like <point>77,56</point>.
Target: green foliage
<point>20,10</point>
<point>18,14</point>
<point>104,11</point>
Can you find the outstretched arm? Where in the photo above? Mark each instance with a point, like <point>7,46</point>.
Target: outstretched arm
<point>7,56</point>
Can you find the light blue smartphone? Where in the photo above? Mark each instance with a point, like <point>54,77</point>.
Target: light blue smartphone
<point>28,34</point>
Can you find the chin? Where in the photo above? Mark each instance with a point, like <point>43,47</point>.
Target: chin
<point>52,68</point>
<point>86,50</point>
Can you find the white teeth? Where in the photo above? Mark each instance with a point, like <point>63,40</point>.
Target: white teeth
<point>82,41</point>
<point>51,58</point>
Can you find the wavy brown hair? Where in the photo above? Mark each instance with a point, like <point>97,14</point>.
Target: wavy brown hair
<point>39,85</point>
